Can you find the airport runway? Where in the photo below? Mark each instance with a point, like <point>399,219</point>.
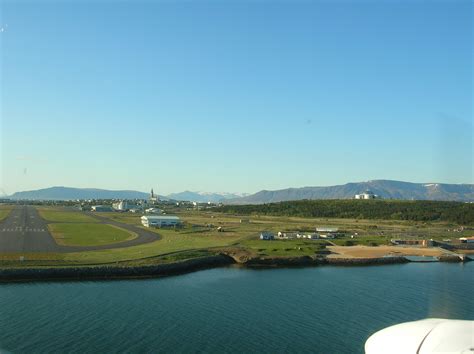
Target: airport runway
<point>25,231</point>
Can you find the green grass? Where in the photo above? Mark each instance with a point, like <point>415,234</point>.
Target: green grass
<point>362,240</point>
<point>287,248</point>
<point>4,212</point>
<point>85,234</point>
<point>65,216</point>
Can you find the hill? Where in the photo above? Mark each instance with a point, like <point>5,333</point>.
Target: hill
<point>68,193</point>
<point>385,188</point>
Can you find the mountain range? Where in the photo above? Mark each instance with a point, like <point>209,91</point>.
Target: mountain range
<point>68,193</point>
<point>387,189</point>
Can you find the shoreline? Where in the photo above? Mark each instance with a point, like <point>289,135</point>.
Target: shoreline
<point>14,275</point>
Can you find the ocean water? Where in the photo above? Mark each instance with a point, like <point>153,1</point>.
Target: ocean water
<point>232,310</point>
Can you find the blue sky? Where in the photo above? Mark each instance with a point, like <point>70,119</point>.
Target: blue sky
<point>234,95</point>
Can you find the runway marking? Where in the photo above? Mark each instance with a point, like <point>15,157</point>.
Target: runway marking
<point>20,229</point>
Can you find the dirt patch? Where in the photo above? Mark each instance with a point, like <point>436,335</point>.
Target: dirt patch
<point>380,251</point>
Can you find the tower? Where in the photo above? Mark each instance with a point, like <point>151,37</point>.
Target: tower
<point>153,197</point>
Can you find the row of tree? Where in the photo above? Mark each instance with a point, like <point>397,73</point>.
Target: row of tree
<point>456,212</point>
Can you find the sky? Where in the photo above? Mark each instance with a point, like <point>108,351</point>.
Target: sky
<point>234,96</point>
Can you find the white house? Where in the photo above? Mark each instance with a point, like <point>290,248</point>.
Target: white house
<point>160,220</point>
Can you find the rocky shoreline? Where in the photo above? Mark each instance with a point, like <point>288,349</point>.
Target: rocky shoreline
<point>188,266</point>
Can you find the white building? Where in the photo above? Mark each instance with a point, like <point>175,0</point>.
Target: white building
<point>160,220</point>
<point>366,195</point>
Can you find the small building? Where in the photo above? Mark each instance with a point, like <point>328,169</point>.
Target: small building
<point>265,235</point>
<point>101,208</point>
<point>160,220</point>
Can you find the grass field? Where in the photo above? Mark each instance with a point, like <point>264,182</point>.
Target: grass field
<point>53,215</point>
<point>4,212</point>
<point>85,234</point>
<point>280,248</point>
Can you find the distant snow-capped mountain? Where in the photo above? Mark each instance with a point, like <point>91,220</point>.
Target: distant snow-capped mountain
<point>204,197</point>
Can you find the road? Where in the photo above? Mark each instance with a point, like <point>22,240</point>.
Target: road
<point>25,231</point>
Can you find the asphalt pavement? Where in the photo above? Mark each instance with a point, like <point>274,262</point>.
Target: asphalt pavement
<point>25,231</point>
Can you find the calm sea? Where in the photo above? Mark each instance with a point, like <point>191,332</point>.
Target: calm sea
<point>232,310</point>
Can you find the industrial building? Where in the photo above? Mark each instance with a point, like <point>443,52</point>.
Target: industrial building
<point>160,220</point>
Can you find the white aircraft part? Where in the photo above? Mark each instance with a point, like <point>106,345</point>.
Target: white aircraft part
<point>433,335</point>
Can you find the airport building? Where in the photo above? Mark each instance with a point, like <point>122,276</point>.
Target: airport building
<point>160,220</point>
